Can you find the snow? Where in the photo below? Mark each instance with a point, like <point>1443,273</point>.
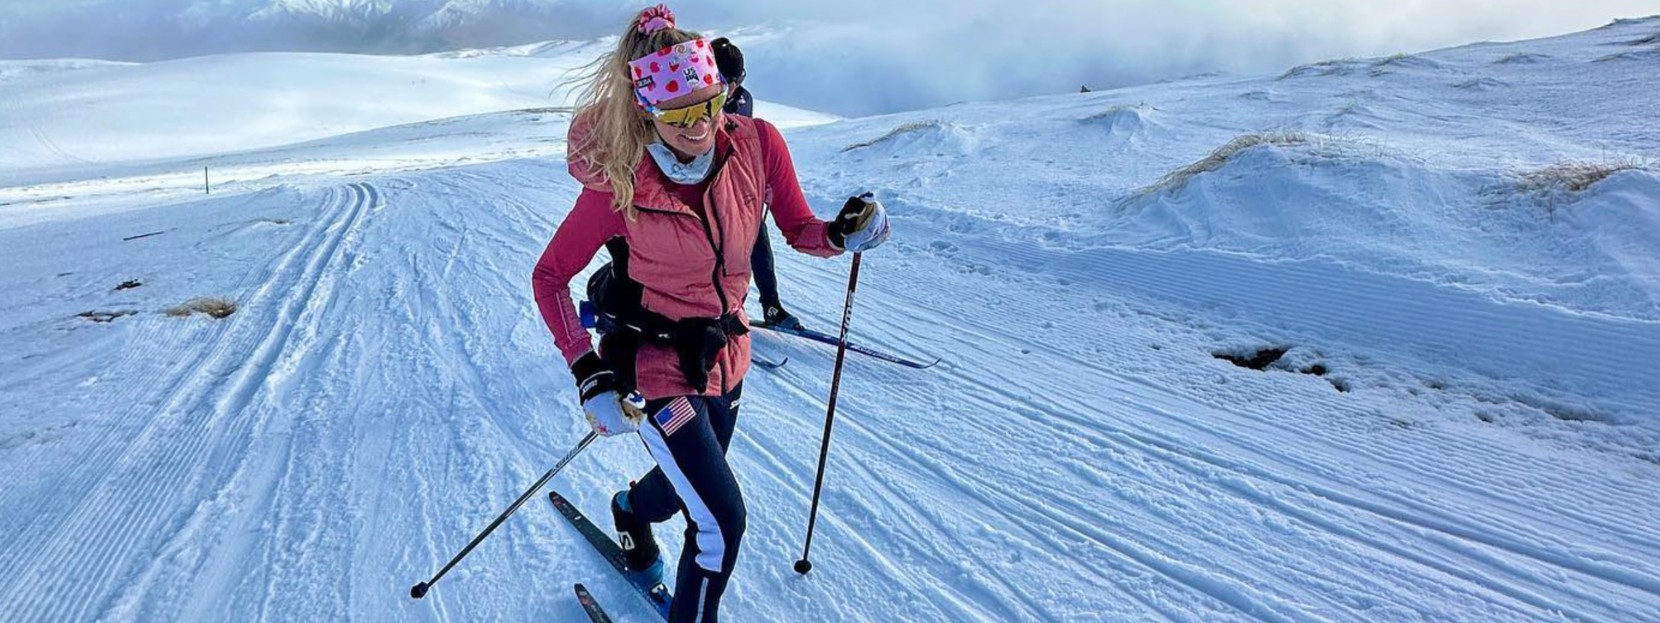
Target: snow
<point>1463,426</point>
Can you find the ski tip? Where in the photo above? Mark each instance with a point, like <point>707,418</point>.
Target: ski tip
<point>590,605</point>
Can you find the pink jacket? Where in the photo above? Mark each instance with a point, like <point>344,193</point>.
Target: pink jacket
<point>693,260</point>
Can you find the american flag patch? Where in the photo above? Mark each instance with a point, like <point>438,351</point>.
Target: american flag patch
<point>675,415</point>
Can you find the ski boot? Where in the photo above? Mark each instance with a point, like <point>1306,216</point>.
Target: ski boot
<point>775,316</point>
<point>641,556</point>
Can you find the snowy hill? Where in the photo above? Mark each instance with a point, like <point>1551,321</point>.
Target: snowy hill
<point>1443,263</point>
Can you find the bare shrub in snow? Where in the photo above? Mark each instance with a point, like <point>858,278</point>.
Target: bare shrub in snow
<point>212,306</point>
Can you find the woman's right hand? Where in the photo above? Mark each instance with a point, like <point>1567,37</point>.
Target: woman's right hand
<point>608,410</point>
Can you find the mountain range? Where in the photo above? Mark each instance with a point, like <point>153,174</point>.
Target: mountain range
<point>159,29</point>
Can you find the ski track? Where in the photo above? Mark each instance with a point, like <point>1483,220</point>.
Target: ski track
<point>201,424</point>
<point>1464,541</point>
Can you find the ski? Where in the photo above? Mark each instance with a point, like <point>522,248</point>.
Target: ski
<point>767,363</point>
<point>656,593</point>
<point>831,340</point>
<point>590,606</point>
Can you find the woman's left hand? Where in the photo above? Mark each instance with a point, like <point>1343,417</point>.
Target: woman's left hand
<point>862,224</point>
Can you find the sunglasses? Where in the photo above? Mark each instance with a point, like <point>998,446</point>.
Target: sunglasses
<point>688,116</point>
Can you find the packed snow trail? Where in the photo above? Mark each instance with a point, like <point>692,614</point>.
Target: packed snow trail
<point>400,391</point>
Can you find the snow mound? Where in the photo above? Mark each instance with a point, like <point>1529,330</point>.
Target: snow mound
<point>1127,125</point>
<point>933,137</point>
<point>1301,196</point>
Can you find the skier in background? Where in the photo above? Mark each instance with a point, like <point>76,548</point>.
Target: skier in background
<point>730,59</point>
<point>664,168</point>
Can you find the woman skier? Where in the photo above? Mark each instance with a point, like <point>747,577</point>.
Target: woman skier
<point>685,185</point>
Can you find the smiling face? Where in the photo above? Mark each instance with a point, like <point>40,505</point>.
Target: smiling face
<point>690,142</point>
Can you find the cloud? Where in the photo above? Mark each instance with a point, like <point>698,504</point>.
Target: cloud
<point>852,57</point>
<point>876,57</point>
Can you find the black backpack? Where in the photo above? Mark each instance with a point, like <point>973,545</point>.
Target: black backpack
<point>615,298</point>
<point>616,303</point>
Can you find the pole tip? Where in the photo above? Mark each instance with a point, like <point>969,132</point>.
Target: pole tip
<point>418,591</point>
<point>803,566</point>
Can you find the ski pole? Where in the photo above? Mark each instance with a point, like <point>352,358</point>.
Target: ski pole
<point>420,590</point>
<point>803,566</point>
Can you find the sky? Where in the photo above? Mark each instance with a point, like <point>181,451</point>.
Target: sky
<point>852,57</point>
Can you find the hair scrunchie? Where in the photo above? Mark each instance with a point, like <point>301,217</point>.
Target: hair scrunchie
<point>655,18</point>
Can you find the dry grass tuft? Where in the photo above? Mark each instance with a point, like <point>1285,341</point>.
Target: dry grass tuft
<point>1572,176</point>
<point>1481,84</point>
<point>1222,155</point>
<point>1560,182</point>
<point>1522,57</point>
<point>1341,67</point>
<point>914,126</point>
<point>1396,59</point>
<point>212,306</point>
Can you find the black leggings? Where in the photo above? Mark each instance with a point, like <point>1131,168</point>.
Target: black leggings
<point>688,436</point>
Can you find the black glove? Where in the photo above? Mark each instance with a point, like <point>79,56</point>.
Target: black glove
<point>593,376</point>
<point>697,341</point>
<point>609,411</point>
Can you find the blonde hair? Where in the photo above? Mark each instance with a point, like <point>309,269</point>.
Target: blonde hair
<point>617,137</point>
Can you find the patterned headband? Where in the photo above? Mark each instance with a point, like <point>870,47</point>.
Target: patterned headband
<point>673,72</point>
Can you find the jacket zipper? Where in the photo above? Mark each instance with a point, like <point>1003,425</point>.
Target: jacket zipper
<point>709,213</point>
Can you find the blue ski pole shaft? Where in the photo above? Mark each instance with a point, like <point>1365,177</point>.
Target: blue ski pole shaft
<point>804,565</point>
<point>420,590</point>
